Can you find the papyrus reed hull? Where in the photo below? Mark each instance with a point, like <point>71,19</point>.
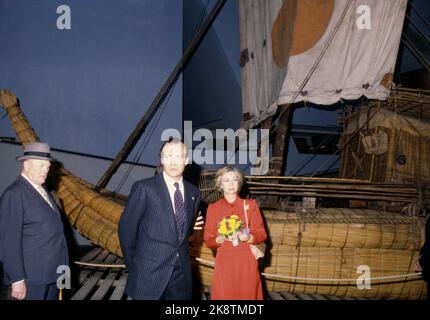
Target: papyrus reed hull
<point>331,243</point>
<point>94,216</point>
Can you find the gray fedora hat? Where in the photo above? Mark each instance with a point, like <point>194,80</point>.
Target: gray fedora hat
<point>36,150</point>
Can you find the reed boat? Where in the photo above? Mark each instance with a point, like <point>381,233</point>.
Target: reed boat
<point>305,243</point>
<point>358,235</point>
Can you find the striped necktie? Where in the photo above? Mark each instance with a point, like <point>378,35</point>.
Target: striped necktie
<point>179,209</point>
<point>45,196</point>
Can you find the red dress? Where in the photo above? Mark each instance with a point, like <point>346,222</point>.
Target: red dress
<point>236,275</point>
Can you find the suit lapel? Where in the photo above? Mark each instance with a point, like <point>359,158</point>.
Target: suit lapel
<point>36,194</point>
<point>166,203</point>
<point>189,199</point>
<point>54,204</point>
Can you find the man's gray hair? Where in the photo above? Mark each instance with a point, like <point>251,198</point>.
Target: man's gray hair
<point>173,141</point>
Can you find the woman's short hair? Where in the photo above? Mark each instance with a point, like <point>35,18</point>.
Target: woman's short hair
<point>227,169</point>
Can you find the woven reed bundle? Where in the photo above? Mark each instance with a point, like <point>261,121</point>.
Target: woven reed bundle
<point>332,263</point>
<point>94,216</point>
<point>84,208</point>
<point>342,264</point>
<point>413,102</point>
<point>345,228</point>
<point>18,120</point>
<point>417,150</point>
<point>406,135</point>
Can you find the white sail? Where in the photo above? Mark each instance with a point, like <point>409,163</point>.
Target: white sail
<point>282,40</point>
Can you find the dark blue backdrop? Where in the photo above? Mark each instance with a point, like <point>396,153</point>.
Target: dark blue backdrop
<point>84,89</point>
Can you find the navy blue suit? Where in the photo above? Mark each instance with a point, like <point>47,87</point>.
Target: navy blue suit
<point>150,242</point>
<point>32,242</point>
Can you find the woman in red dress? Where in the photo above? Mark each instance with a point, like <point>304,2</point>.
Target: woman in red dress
<point>236,275</point>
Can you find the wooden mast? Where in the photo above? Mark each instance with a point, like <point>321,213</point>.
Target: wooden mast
<point>280,152</point>
<point>156,103</point>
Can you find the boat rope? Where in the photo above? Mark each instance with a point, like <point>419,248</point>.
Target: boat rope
<point>4,116</point>
<point>320,56</point>
<point>351,138</point>
<point>147,137</point>
<point>311,71</point>
<point>313,154</point>
<point>99,265</point>
<point>418,274</point>
<point>278,277</point>
<point>270,275</point>
<point>154,124</point>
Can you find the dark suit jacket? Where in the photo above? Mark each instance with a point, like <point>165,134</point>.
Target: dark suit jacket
<point>149,238</point>
<point>32,242</point>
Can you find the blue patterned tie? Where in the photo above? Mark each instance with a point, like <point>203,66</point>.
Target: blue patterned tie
<point>179,209</point>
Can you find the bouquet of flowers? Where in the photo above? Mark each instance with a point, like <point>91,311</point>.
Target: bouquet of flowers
<point>231,227</point>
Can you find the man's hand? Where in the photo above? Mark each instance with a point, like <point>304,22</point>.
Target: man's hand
<point>199,222</point>
<point>418,267</point>
<point>19,290</point>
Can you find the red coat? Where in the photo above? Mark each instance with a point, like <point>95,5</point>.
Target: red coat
<point>236,275</point>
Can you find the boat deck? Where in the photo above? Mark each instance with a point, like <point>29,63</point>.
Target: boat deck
<point>108,283</point>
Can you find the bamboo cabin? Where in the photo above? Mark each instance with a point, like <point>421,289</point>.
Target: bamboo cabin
<point>386,146</point>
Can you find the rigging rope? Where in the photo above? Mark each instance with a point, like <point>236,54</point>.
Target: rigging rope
<point>321,55</point>
<point>314,154</point>
<point>146,140</point>
<point>272,275</point>
<point>155,122</point>
<point>311,72</point>
<point>317,61</point>
<point>346,143</point>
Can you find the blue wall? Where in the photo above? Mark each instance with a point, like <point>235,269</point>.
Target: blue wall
<point>85,89</point>
<point>408,61</point>
<point>212,89</point>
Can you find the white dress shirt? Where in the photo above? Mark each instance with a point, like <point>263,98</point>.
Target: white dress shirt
<point>40,190</point>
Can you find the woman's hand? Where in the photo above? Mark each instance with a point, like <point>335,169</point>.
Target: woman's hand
<point>220,239</point>
<point>198,225</point>
<point>244,237</point>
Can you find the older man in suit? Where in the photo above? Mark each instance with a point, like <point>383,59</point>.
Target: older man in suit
<point>32,242</point>
<point>154,228</point>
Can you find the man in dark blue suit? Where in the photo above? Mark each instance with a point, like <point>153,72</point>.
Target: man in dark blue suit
<point>32,242</point>
<point>154,228</point>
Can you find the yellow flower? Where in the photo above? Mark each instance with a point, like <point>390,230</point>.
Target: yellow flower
<point>229,225</point>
